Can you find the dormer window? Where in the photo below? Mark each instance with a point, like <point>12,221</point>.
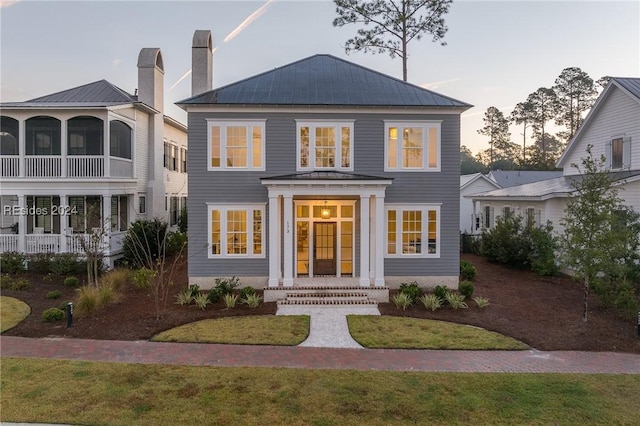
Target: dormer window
<point>325,146</point>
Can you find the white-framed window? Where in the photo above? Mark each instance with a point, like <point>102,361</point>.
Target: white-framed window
<point>236,145</point>
<point>618,152</point>
<point>324,145</point>
<point>412,230</point>
<point>488,217</point>
<point>507,211</point>
<point>412,146</point>
<point>236,230</point>
<point>142,205</point>
<point>531,217</point>
<point>119,212</point>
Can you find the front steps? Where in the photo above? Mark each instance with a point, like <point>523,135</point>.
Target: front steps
<point>323,295</point>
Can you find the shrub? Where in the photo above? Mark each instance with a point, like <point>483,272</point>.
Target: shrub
<point>107,295</point>
<point>184,297</point>
<point>227,285</point>
<point>252,299</point>
<point>402,301</point>
<point>117,278</point>
<point>466,288</point>
<point>175,241</point>
<point>214,295</point>
<point>16,284</point>
<point>230,300</point>
<point>6,281</point>
<point>63,306</point>
<point>147,240</point>
<point>455,300</point>
<point>441,291</point>
<point>412,290</point>
<point>194,290</point>
<point>143,277</point>
<point>467,270</point>
<point>86,300</point>
<point>65,264</point>
<point>52,315</point>
<point>71,282</point>
<point>543,246</point>
<point>481,302</point>
<point>626,304</point>
<point>12,262</point>
<point>201,300</point>
<point>431,301</point>
<point>504,243</point>
<point>247,291</point>
<point>39,263</point>
<point>55,294</point>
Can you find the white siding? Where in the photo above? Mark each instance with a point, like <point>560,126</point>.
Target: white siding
<point>141,144</point>
<point>466,204</point>
<point>619,115</point>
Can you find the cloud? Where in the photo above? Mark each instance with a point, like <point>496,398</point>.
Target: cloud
<point>435,85</point>
<point>7,3</point>
<point>116,62</point>
<point>255,15</point>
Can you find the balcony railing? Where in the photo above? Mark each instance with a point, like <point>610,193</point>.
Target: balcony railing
<point>75,166</point>
<point>8,242</point>
<point>52,243</point>
<point>38,243</point>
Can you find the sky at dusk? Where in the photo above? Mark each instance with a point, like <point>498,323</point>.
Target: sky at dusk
<point>497,53</point>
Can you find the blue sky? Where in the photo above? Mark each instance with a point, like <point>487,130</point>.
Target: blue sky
<point>497,53</point>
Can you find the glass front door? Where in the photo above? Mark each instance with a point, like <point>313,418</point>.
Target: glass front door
<point>324,250</point>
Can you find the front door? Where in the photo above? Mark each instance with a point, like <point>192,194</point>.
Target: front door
<point>324,248</point>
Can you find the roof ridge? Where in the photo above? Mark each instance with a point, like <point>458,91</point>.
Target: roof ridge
<point>111,85</point>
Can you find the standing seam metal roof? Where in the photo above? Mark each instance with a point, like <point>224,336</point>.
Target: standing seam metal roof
<point>324,80</point>
<point>98,93</point>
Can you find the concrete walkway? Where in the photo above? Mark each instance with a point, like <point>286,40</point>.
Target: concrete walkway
<point>328,324</point>
<point>196,354</point>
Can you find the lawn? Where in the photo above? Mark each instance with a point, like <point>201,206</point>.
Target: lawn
<point>123,394</point>
<point>12,312</point>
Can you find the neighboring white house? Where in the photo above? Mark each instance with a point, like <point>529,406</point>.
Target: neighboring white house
<point>89,157</point>
<point>612,128</point>
<point>470,185</point>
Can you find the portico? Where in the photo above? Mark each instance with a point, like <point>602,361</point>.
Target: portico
<point>326,224</point>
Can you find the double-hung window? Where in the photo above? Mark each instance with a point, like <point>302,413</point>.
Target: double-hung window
<point>236,145</point>
<point>412,146</point>
<point>236,230</point>
<point>325,146</point>
<point>412,230</point>
<point>618,153</point>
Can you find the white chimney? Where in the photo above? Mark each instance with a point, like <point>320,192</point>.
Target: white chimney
<point>151,78</point>
<point>201,62</point>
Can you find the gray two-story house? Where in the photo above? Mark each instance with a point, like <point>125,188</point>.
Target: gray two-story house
<point>321,171</point>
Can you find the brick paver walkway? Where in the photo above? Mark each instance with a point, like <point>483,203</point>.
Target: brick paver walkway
<point>530,361</point>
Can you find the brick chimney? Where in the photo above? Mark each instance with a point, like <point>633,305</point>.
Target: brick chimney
<point>201,62</point>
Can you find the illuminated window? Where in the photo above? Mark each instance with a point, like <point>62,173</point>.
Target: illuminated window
<point>325,146</point>
<point>236,231</point>
<point>413,231</point>
<point>412,146</point>
<point>236,145</point>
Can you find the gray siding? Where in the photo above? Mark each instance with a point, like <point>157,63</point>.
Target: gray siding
<point>410,187</point>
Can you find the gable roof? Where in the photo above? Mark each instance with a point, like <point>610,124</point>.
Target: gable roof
<point>509,178</point>
<point>97,94</point>
<point>630,86</point>
<point>324,80</point>
<point>467,180</point>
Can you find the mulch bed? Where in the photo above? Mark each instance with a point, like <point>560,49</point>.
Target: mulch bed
<point>544,312</point>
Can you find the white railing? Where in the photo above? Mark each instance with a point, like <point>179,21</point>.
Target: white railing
<point>85,166</point>
<point>9,166</point>
<point>38,243</point>
<point>120,167</point>
<point>8,242</point>
<point>43,166</point>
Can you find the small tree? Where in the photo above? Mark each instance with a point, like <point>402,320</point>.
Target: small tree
<point>594,244</point>
<point>92,242</point>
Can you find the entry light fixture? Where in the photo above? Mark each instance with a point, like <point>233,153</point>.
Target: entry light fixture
<point>325,212</point>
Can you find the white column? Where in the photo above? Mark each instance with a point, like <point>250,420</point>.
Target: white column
<point>379,244</point>
<point>106,222</point>
<point>22,224</point>
<point>364,241</point>
<point>22,149</point>
<point>64,223</point>
<point>106,148</point>
<point>288,241</point>
<point>274,241</point>
<point>63,148</point>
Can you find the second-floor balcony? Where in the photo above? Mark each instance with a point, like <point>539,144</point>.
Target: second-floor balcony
<point>71,166</point>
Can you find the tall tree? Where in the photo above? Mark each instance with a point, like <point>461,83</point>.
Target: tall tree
<point>593,241</point>
<point>522,114</point>
<point>540,159</point>
<point>496,127</point>
<point>390,25</point>
<point>603,81</point>
<point>544,106</point>
<point>576,93</point>
<point>469,164</point>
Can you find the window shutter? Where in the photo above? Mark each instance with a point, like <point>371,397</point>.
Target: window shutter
<point>626,152</point>
<point>608,152</point>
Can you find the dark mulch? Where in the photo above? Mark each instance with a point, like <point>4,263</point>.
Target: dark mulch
<point>545,313</point>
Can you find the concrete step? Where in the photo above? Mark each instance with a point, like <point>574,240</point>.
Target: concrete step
<point>317,294</point>
<point>379,294</point>
<point>322,301</point>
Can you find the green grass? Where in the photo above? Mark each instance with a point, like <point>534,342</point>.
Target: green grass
<point>12,312</point>
<point>413,333</point>
<point>250,330</point>
<point>124,394</point>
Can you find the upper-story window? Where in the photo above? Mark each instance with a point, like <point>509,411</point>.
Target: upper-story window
<point>9,132</point>
<point>325,146</point>
<point>412,146</point>
<point>85,136</point>
<point>618,152</point>
<point>42,136</point>
<point>183,158</point>
<point>236,145</point>
<point>119,139</point>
